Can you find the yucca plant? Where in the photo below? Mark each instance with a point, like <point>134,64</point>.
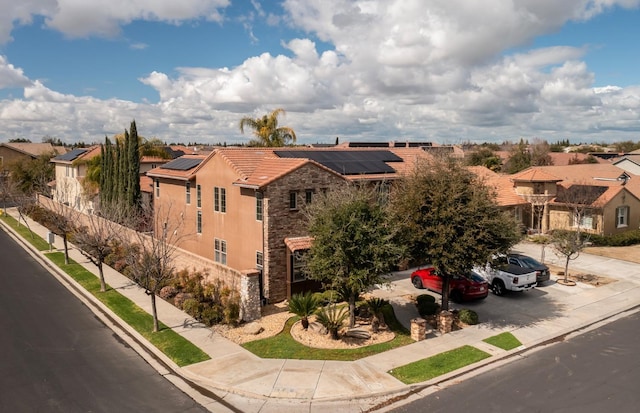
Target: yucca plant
<point>332,317</point>
<point>375,307</point>
<point>304,305</point>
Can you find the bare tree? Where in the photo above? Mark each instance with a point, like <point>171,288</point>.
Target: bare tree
<point>61,220</point>
<point>150,263</point>
<point>581,202</point>
<point>96,238</point>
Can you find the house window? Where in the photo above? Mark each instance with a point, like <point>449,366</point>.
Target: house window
<point>219,199</point>
<point>199,222</point>
<point>259,260</point>
<point>538,188</point>
<point>198,196</point>
<point>297,266</point>
<point>308,196</point>
<point>66,170</point>
<point>583,221</point>
<point>187,187</point>
<point>259,206</point>
<point>220,250</point>
<point>157,183</point>
<point>622,216</point>
<point>383,191</point>
<point>293,200</point>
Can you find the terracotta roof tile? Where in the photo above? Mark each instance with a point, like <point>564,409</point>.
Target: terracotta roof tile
<point>298,243</point>
<point>535,174</point>
<point>501,184</point>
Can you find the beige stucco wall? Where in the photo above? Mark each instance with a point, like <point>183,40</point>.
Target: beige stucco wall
<point>9,156</point>
<point>68,187</point>
<point>527,188</point>
<point>605,220</point>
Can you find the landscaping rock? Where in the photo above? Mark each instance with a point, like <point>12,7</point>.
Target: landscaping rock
<point>253,328</point>
<point>358,333</point>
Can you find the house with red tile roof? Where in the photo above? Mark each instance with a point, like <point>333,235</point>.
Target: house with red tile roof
<point>11,152</point>
<point>607,196</point>
<point>242,207</point>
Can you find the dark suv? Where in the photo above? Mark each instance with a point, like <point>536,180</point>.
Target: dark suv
<point>524,261</point>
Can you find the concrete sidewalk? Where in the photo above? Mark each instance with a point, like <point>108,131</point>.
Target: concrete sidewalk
<point>237,380</point>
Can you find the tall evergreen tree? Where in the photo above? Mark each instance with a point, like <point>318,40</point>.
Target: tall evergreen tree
<point>133,153</point>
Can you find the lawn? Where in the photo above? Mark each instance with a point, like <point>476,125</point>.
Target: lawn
<point>426,369</point>
<point>176,347</point>
<point>505,341</point>
<point>21,228</point>
<point>283,346</point>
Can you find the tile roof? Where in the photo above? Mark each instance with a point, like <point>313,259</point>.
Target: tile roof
<point>298,243</point>
<point>182,175</point>
<point>603,175</point>
<point>535,174</point>
<point>271,169</point>
<point>501,184</point>
<point>34,149</point>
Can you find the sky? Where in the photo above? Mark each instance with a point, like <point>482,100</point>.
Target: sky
<point>441,71</point>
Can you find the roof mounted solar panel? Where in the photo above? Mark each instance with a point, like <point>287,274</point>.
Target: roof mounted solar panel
<point>348,162</point>
<point>71,155</point>
<point>182,164</point>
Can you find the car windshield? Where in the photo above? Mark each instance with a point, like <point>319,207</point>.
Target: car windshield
<point>476,277</point>
<point>530,262</point>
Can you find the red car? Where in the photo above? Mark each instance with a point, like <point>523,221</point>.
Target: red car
<point>461,288</point>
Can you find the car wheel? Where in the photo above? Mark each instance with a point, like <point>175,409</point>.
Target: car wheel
<point>417,282</point>
<point>498,287</point>
<point>456,296</point>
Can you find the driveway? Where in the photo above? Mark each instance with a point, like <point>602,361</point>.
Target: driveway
<point>519,309</point>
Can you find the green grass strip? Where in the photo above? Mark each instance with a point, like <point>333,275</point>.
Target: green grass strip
<point>426,369</point>
<point>176,347</point>
<point>26,233</point>
<point>505,341</point>
<point>283,346</point>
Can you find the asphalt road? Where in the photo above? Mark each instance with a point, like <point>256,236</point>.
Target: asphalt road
<point>56,356</point>
<point>596,372</point>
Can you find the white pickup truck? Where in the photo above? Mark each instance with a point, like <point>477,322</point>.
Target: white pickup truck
<point>503,277</point>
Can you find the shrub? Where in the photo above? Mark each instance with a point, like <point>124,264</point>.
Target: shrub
<point>332,317</point>
<point>468,316</point>
<point>327,297</point>
<point>304,305</point>
<point>616,240</point>
<point>191,306</point>
<point>376,305</point>
<point>427,305</point>
<point>211,315</point>
<point>168,292</point>
<point>180,298</point>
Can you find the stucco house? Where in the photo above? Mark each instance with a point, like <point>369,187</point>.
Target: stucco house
<point>597,198</point>
<point>11,152</point>
<point>241,207</point>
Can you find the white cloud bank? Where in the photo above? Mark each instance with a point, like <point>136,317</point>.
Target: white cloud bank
<point>399,69</point>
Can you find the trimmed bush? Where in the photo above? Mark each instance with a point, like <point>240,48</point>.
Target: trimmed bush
<point>427,305</point>
<point>468,316</point>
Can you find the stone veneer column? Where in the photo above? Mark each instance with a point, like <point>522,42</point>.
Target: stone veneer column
<point>250,306</point>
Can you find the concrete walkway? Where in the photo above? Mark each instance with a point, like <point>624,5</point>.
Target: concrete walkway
<point>237,380</point>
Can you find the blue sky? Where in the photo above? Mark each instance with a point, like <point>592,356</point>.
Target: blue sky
<point>447,71</point>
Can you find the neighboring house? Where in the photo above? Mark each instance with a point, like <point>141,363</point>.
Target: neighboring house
<point>12,152</point>
<point>242,206</point>
<point>629,163</point>
<point>597,198</point>
<point>506,197</point>
<point>70,170</point>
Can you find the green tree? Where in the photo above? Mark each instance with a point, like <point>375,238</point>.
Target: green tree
<point>519,158</point>
<point>484,156</point>
<point>355,246</point>
<point>266,130</point>
<point>450,220</point>
<point>33,176</point>
<point>134,195</point>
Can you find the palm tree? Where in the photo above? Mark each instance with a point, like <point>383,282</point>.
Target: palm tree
<point>267,131</point>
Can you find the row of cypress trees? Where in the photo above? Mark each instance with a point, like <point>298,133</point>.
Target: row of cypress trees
<point>120,172</point>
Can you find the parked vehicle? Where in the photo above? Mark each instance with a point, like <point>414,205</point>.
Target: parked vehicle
<point>471,286</point>
<point>503,276</point>
<point>542,271</point>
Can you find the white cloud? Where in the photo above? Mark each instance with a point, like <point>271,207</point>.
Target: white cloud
<point>396,69</point>
<point>79,18</point>
<point>10,76</point>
